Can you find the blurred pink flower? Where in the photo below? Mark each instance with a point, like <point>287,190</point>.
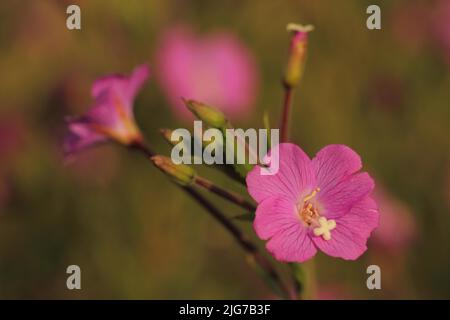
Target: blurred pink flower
<point>111,117</point>
<point>406,27</point>
<point>433,31</point>
<point>441,27</point>
<point>333,292</point>
<point>397,229</point>
<point>321,203</point>
<point>4,192</point>
<point>13,131</point>
<point>216,69</point>
<point>12,136</point>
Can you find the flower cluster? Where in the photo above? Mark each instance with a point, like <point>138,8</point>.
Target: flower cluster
<point>323,203</point>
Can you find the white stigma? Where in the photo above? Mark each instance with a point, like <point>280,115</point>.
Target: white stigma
<point>325,228</point>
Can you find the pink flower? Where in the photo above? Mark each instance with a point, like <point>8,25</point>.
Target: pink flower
<point>111,117</point>
<point>217,70</point>
<point>323,203</point>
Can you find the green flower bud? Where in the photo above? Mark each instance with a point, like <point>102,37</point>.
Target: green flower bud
<point>208,114</point>
<point>180,173</point>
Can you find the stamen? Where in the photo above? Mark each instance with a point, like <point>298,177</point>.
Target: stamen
<point>312,195</point>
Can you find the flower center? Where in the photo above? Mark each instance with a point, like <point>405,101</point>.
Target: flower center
<point>309,214</point>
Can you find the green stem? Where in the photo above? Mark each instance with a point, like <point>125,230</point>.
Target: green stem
<point>305,280</point>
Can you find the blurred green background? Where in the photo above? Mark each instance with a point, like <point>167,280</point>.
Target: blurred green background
<point>385,93</point>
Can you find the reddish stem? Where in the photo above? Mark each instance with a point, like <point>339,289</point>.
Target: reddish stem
<point>287,106</point>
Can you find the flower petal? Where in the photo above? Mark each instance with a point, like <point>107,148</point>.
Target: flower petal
<point>333,163</point>
<point>339,200</point>
<point>349,238</point>
<point>119,87</point>
<point>80,136</point>
<point>276,219</point>
<point>340,188</point>
<point>273,215</point>
<point>295,174</point>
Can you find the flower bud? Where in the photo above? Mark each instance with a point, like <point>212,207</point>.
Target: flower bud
<point>297,54</point>
<point>180,173</point>
<point>167,134</point>
<point>208,114</point>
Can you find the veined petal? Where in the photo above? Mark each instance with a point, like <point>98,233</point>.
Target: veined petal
<point>334,163</point>
<point>274,215</point>
<point>349,238</point>
<point>335,167</point>
<point>345,194</point>
<point>295,175</point>
<point>277,221</point>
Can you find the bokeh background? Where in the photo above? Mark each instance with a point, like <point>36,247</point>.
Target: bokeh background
<point>385,93</point>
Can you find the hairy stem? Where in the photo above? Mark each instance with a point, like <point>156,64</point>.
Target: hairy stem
<point>230,196</point>
<point>252,250</point>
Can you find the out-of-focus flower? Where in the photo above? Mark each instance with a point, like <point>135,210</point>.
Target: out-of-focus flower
<point>4,192</point>
<point>217,69</point>
<point>12,136</point>
<point>433,31</point>
<point>441,27</point>
<point>406,28</point>
<point>111,117</point>
<point>397,229</point>
<point>323,203</point>
<point>297,54</point>
<point>387,92</point>
<point>333,292</point>
<point>13,132</point>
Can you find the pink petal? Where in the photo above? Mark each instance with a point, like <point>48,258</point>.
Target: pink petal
<point>293,245</point>
<point>293,178</point>
<point>333,163</point>
<point>109,89</point>
<point>80,136</point>
<point>137,80</point>
<point>276,219</point>
<point>349,238</point>
<point>340,188</point>
<point>274,215</point>
<point>339,200</point>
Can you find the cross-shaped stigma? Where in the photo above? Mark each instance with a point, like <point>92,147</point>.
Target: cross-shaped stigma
<point>325,227</point>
